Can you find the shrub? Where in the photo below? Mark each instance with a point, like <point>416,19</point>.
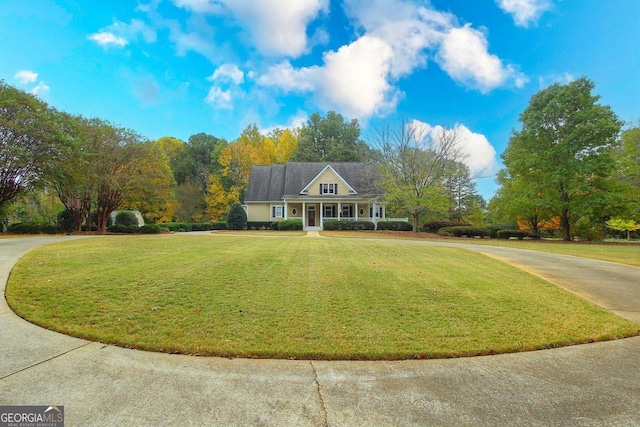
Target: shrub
<point>150,229</point>
<point>50,229</point>
<point>348,225</point>
<point>435,225</point>
<point>66,221</point>
<point>200,226</point>
<point>126,218</point>
<point>25,228</point>
<point>493,229</point>
<point>118,228</point>
<point>177,226</point>
<point>507,234</point>
<point>394,225</point>
<point>236,218</point>
<point>463,230</point>
<point>290,224</point>
<point>274,225</point>
<point>220,225</point>
<point>259,225</point>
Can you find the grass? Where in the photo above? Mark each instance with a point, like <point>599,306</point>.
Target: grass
<point>298,298</point>
<point>624,253</point>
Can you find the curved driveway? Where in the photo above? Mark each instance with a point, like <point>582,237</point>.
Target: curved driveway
<point>100,385</point>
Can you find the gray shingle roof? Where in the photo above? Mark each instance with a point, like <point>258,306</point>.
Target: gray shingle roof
<point>273,183</point>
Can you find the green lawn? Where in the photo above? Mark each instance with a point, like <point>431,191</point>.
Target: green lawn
<point>298,297</point>
<point>625,253</point>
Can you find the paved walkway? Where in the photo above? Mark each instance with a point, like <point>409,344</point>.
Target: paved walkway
<point>100,385</point>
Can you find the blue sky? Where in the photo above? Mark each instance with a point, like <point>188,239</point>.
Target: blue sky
<point>180,67</point>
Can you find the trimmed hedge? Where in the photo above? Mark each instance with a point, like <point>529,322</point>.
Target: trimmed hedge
<point>220,225</point>
<point>348,225</point>
<point>187,226</point>
<point>200,226</point>
<point>260,225</point>
<point>394,225</point>
<point>124,229</point>
<point>290,224</point>
<point>507,234</point>
<point>435,225</point>
<point>150,229</point>
<point>177,226</point>
<point>463,231</point>
<point>32,228</point>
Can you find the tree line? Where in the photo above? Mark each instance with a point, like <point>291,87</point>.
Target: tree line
<point>569,165</point>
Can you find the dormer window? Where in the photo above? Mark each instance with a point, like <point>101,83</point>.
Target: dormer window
<point>328,188</point>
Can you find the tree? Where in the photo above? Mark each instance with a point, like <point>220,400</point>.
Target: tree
<point>238,158</point>
<point>414,163</point>
<point>331,139</point>
<point>628,170</point>
<point>30,141</point>
<point>152,182</point>
<point>461,191</point>
<point>520,198</point>
<point>237,218</point>
<point>564,151</point>
<point>620,224</point>
<point>202,155</point>
<point>219,199</point>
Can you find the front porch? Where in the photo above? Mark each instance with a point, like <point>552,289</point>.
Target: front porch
<point>313,214</point>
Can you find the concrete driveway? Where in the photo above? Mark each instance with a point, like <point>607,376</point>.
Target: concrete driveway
<point>100,385</point>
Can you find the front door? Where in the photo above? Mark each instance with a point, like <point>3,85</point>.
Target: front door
<point>312,216</point>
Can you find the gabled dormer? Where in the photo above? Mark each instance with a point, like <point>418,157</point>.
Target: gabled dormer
<point>328,183</point>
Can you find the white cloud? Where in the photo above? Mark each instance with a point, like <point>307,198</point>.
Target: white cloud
<point>40,90</point>
<point>227,73</point>
<point>524,12</point>
<point>409,29</point>
<point>200,6</point>
<point>26,76</point>
<point>191,41</point>
<point>355,78</point>
<point>562,78</point>
<point>464,56</point>
<point>290,79</point>
<point>475,149</point>
<point>296,121</point>
<point>278,27</point>
<point>398,37</point>
<point>107,39</point>
<point>120,33</point>
<point>218,98</point>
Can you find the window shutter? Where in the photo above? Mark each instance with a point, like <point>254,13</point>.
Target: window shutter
<point>335,186</point>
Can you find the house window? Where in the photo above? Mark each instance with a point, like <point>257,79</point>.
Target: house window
<point>294,212</point>
<point>347,211</point>
<point>361,212</point>
<point>328,188</point>
<point>378,212</point>
<point>329,211</point>
<point>277,211</point>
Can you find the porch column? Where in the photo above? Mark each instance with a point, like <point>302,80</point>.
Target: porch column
<point>339,210</point>
<point>375,213</point>
<point>304,215</point>
<point>357,211</point>
<point>286,210</point>
<point>321,213</point>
